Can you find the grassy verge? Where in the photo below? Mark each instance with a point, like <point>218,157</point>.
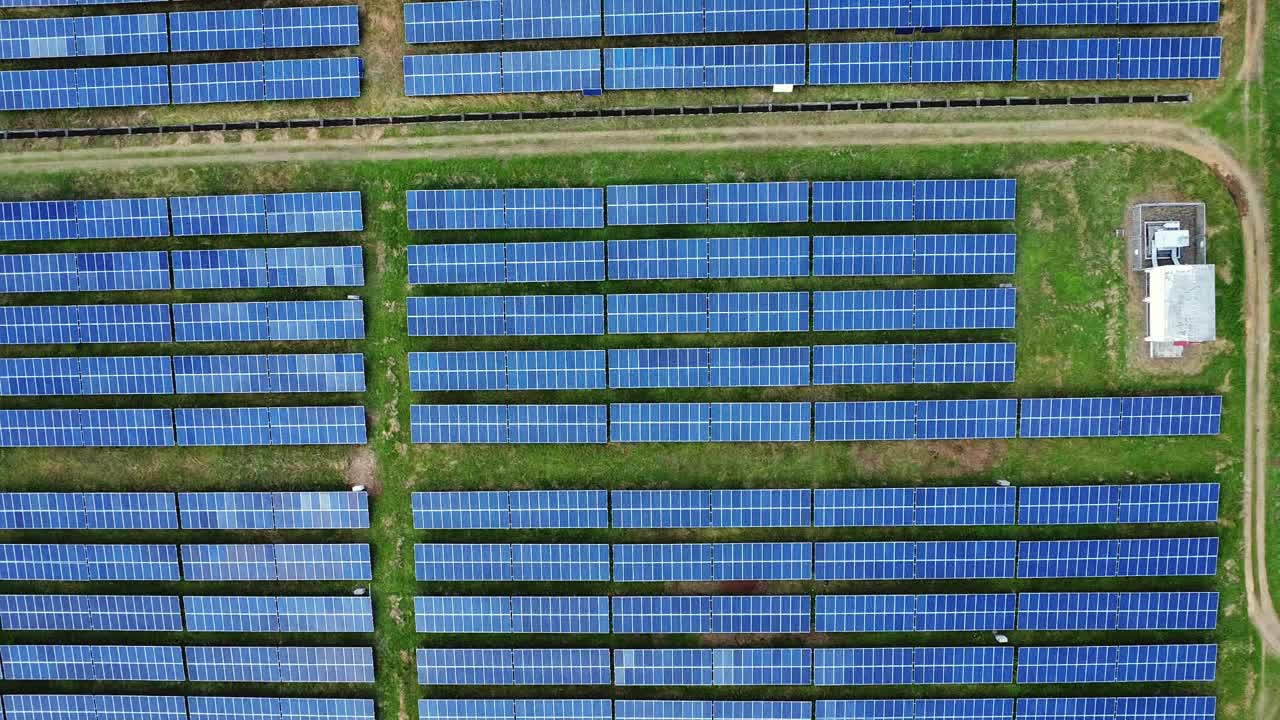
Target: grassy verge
<point>1076,334</point>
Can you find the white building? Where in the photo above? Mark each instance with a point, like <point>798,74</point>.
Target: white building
<point>1180,307</point>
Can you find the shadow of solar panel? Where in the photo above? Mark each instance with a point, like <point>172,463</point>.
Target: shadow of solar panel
<point>755,65</point>
<point>316,320</point>
<point>550,71</point>
<point>1168,611</point>
<point>758,312</point>
<point>865,709</point>
<point>759,367</point>
<point>451,709</point>
<point>683,562</point>
<point>638,17</point>
<point>661,614</point>
<point>234,664</point>
<point>122,271</point>
<point>762,666</point>
<point>462,614</point>
<point>222,613</point>
<point>349,561</point>
<point>862,666</point>
<point>543,262</point>
<point>965,559</point>
<point>951,13</point>
<point>456,21</point>
<point>458,423</point>
<point>456,74</point>
<point>655,68</point>
<point>555,562</point>
<point>864,560</point>
<point>661,508</point>
<point>761,508</point>
<point>864,507</point>
<point>968,308</point>
<point>127,428</point>
<point>657,204</point>
<point>130,511</point>
<point>1055,59</point>
<point>462,562</point>
<point>41,273</point>
<point>537,19</point>
<point>1170,58</point>
<point>557,424</point>
<point>1068,505</point>
<point>870,420</point>
<point>762,202</point>
<point>315,266</point>
<point>1070,417</point>
<point>1088,708</point>
<point>229,563</point>
<point>312,79</point>
<point>865,613</point>
<point>326,665</point>
<point>206,30</point>
<point>853,310</point>
<point>1067,558</point>
<point>758,614</point>
<point>554,509</point>
<point>1172,502</point>
<point>554,315</point>
<point>1066,12</point>
<point>964,362</point>
<point>966,419</point>
<point>461,510</point>
<point>862,364</point>
<point>760,422</point>
<point>665,367</point>
<point>972,506</point>
<point>960,61</point>
<point>658,313</point>
<point>668,667</point>
<point>222,426</point>
<point>763,561</point>
<point>556,369</point>
<point>1068,611</point>
<point>328,26</point>
<point>309,213</point>
<point>564,614</point>
<point>217,214</point>
<point>38,90</point>
<point>965,613</point>
<point>863,255</point>
<point>42,511</point>
<point>463,666</point>
<point>141,375</point>
<point>1174,415</point>
<point>660,422</point>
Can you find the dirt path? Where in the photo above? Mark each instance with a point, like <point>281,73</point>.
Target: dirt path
<point>1245,189</point>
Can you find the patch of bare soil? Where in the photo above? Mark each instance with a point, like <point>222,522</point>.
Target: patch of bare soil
<point>941,459</point>
<point>394,612</point>
<point>362,469</point>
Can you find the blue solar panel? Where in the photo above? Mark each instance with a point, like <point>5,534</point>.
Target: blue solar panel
<point>864,507</point>
<point>969,309</point>
<point>968,199</point>
<point>456,264</point>
<point>854,14</point>
<point>316,320</point>
<point>51,273</point>
<point>556,369</point>
<point>966,419</point>
<point>1068,611</point>
<point>965,506</point>
<point>1168,611</point>
<point>949,13</point>
<point>666,667</point>
<point>312,79</point>
<point>963,665</point>
<point>1133,12</point>
<point>91,612</point>
<point>863,364</point>
<point>564,614</point>
<point>657,204</point>
<point>550,562</point>
<point>763,561</point>
<point>755,66</point>
<point>864,63</point>
<point>328,26</point>
<point>960,61</point>
<point>342,614</point>
<point>866,709</point>
<point>220,322</point>
<point>216,30</point>
<point>1172,502</point>
<point>127,428</point>
<point>964,362</point>
<point>555,424</point>
<point>122,86</point>
<point>39,90</point>
<point>660,422</point>
<point>222,426</point>
<point>655,68</point>
<point>450,709</point>
<point>560,666</point>
<point>1174,415</point>
<point>218,215</point>
<point>760,422</point>
<point>461,510</point>
<point>456,316</point>
<point>1166,663</point>
<point>469,370</point>
<point>1066,12</point>
<point>229,562</point>
<point>578,709</point>
<point>957,560</point>
<point>759,367</point>
<point>42,511</point>
<point>965,613</point>
<point>554,315</point>
<point>971,254</point>
<point>862,666</point>
<point>226,511</point>
<point>315,266</point>
<point>762,666</point>
<point>124,323</point>
<point>668,367</point>
<point>758,312</point>
<point>863,255</point>
<point>661,508</point>
<point>122,271</point>
<point>321,562</point>
<point>759,614</point>
<point>130,511</point>
<point>458,423</point>
<point>535,19</point>
<point>865,613</point>
<point>1067,558</point>
<point>872,420</point>
<point>551,71</point>
<point>39,376</point>
<point>216,83</point>
<point>738,16</point>
<point>864,560</point>
<point>671,259</point>
<point>850,310</point>
<point>555,261</point>
<point>765,202</point>
<point>328,372</point>
<point>658,313</point>
<point>546,509</point>
<point>637,17</point>
<point>142,375</point>
<point>318,425</point>
<point>1068,505</point>
<point>244,614</point>
<point>661,614</point>
<point>219,269</point>
<point>232,708</point>
<point>1167,556</point>
<point>551,208</point>
<point>333,510</point>
<point>1170,58</point>
<point>457,74</point>
<point>455,21</point>
<point>40,707</point>
<point>159,707</point>
<point>40,428</point>
<point>685,562</point>
<point>39,37</point>
<point>1057,59</point>
<point>1175,708</point>
<point>863,201</point>
<point>761,508</point>
<point>1080,664</point>
<point>45,562</point>
<point>1070,417</point>
<point>754,256</point>
<point>1087,708</point>
<point>460,562</point>
<point>462,614</point>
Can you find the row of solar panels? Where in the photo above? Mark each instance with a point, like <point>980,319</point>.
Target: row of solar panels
<point>818,666</point>
<point>177,707</point>
<point>1027,708</point>
<point>712,258</point>
<point>849,507</point>
<point>164,663</point>
<point>192,270</point>
<point>270,214</point>
<point>713,203</point>
<point>791,614</point>
<point>720,312</point>
<point>185,427</point>
<point>824,561</point>
<point>201,31</point>
<point>707,367</point>
<point>139,85</point>
<point>714,66</point>
<point>190,322</point>
<point>204,613</point>
<point>821,421</point>
<point>197,511</point>
<point>487,20</point>
<point>159,563</point>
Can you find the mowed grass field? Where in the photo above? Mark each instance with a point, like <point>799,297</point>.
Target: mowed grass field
<point>1076,336</point>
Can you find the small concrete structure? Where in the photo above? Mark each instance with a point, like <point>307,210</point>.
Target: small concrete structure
<point>1167,245</point>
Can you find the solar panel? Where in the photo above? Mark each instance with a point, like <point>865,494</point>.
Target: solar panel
<point>659,422</point>
<point>867,709</point>
<point>122,86</point>
<point>557,424</point>
<point>963,665</point>
<point>217,83</point>
<point>458,666</point>
<point>635,17</point>
<point>54,272</point>
<point>864,560</point>
<point>1070,417</point>
<point>754,257</point>
<point>854,14</point>
<point>965,613</point>
<point>758,312</point>
<point>554,315</point>
<point>964,362</point>
<point>535,19</point>
<point>964,419</point>
<point>207,30</point>
<point>1133,12</point>
<point>124,323</point>
<point>458,423</point>
<point>64,563</point>
<point>862,666</point>
<point>1068,611</point>
<point>863,201</point>
<point>960,61</point>
<point>1170,58</point>
<point>122,271</point>
<point>458,263</point>
<point>126,375</point>
<point>754,15</point>
<point>864,507</point>
<point>40,376</point>
<point>853,310</point>
<point>72,707</point>
<point>1167,556</point>
<point>462,562</point>
<point>42,511</point>
<point>455,74</point>
<point>870,420</point>
<point>969,708</point>
<point>169,707</point>
<point>1172,502</point>
<point>239,563</point>
<point>130,511</point>
<point>1088,708</point>
<point>560,666</point>
<point>311,79</point>
<point>550,208</point>
<point>318,425</point>
<point>763,561</point>
<point>316,320</point>
<point>321,510</point>
<point>663,667</point>
<point>556,370</point>
<point>677,259</point>
<point>969,309</point>
<point>325,709</point>
<point>1058,59</point>
<point>659,68</point>
<point>1066,12</point>
<point>326,372</point>
<point>326,665</point>
<point>761,202</point>
<point>39,324</point>
<point>566,614</point>
<point>322,562</point>
<point>760,422</point>
<point>218,214</point>
<point>657,204</point>
<point>220,322</point>
<point>461,510</point>
<point>970,506</point>
<point>1079,664</point>
<point>863,255</point>
<point>229,708</point>
<point>863,364</point>
<point>865,63</point>
<point>551,71</point>
<point>1168,611</point>
<point>556,562</point>
<point>759,614</point>
<point>1173,415</point>
<point>658,313</point>
<point>328,26</point>
<point>1067,558</point>
<point>544,262</point>
<point>865,613</point>
<point>455,21</point>
<point>127,428</point>
<point>342,614</point>
<point>90,612</point>
<point>755,66</point>
<point>456,316</point>
<point>661,614</point>
<point>954,560</point>
<point>761,508</point>
<point>451,709</point>
<point>557,708</point>
<point>663,709</point>
<point>666,367</point>
<point>661,508</point>
<point>946,13</point>
<point>684,562</point>
<point>226,511</point>
<point>559,509</point>
<point>462,614</point>
<point>314,266</point>
<point>39,90</point>
<point>1069,505</point>
<point>40,428</point>
<point>762,666</point>
<point>244,614</point>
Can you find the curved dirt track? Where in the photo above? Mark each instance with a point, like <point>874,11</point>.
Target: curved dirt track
<point>1245,188</point>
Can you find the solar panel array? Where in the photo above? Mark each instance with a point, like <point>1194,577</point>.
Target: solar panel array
<point>506,72</point>
<point>83,563</point>
<point>270,28</point>
<point>278,320</point>
<point>476,20</point>
<point>83,36</point>
<point>102,613</point>
<point>224,708</point>
<point>915,613</point>
<point>86,428</point>
<point>1094,504</point>
<point>340,425</point>
<point>280,664</point>
<point>95,87</point>
<point>92,662</point>
<point>87,511</point>
<point>1121,58</point>
<point>268,267</point>
<point>1151,557</point>
<point>83,219</point>
<point>1052,611</point>
<point>868,255</point>
<point>515,509</point>
<point>274,510</point>
<point>1121,416</point>
<point>1122,12</point>
<point>1117,663</point>
<point>284,614</point>
<point>284,562</point>
<point>85,272</point>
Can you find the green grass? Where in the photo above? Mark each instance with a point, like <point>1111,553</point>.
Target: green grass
<point>1074,335</point>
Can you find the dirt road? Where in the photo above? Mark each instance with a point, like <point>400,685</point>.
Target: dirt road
<point>1245,188</point>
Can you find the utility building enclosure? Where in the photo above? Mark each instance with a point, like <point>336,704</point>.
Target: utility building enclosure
<point>1167,245</point>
